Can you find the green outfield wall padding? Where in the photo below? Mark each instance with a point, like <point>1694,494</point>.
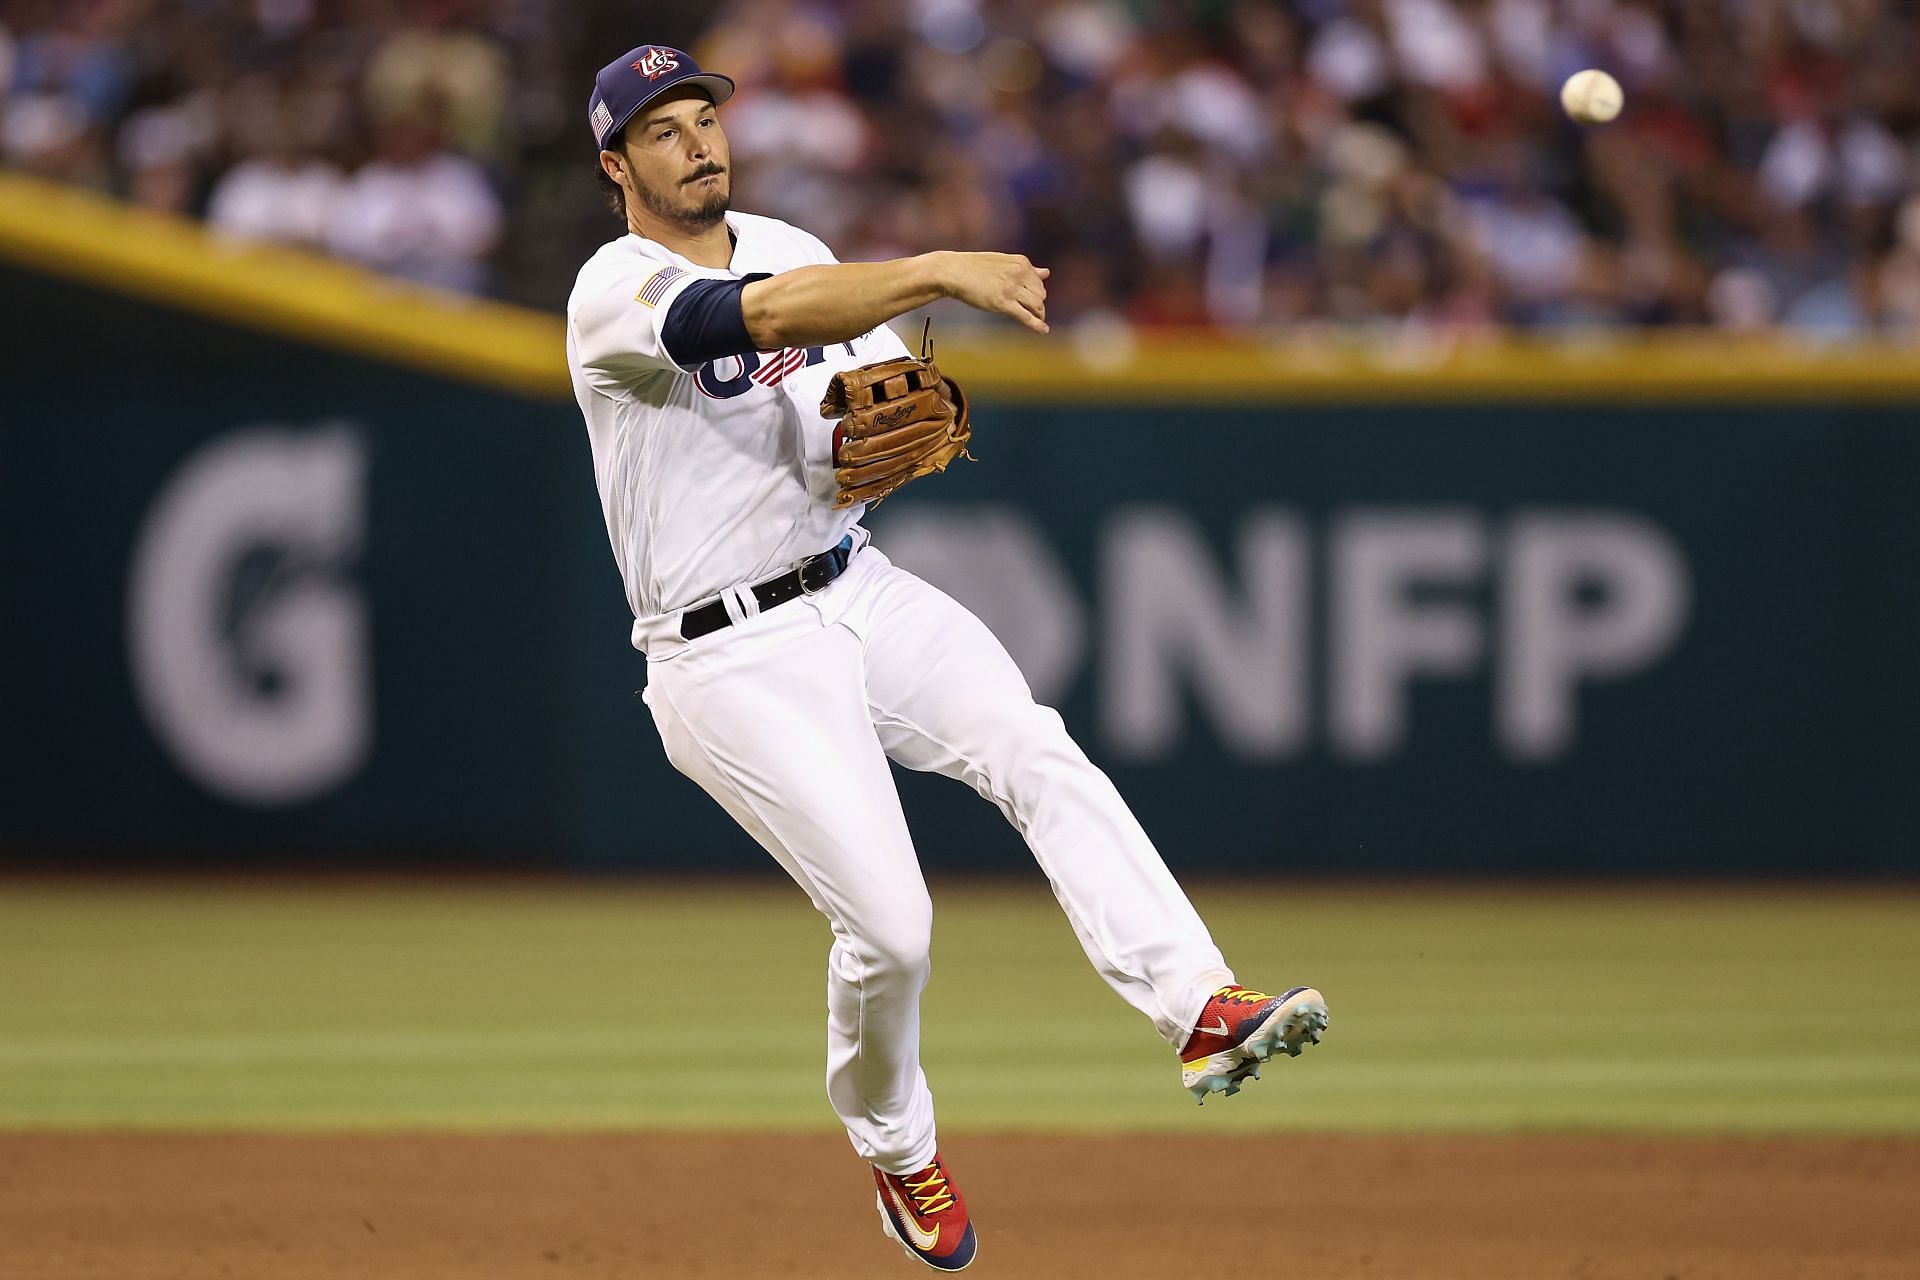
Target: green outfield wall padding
<point>270,598</point>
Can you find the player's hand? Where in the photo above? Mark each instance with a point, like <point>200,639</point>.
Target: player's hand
<point>1003,283</point>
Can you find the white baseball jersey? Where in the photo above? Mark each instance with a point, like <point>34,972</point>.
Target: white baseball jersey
<point>712,477</point>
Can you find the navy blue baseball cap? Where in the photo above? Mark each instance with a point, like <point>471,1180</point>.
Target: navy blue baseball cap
<point>636,78</point>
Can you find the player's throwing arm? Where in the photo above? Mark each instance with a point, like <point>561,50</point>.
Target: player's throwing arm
<point>811,306</point>
<point>901,419</point>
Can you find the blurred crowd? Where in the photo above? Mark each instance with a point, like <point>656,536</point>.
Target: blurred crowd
<point>1234,163</point>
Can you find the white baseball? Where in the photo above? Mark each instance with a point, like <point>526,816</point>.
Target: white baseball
<point>1592,97</point>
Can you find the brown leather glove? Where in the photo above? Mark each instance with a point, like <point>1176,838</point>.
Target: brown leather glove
<point>899,420</point>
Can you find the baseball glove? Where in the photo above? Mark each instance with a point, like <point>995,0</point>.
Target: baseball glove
<point>899,420</point>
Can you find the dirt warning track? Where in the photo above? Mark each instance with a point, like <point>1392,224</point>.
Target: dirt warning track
<point>494,1207</point>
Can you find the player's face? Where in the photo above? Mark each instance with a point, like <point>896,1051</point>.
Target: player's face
<point>677,162</point>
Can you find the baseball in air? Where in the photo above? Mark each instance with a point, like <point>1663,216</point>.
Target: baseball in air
<point>1592,97</point>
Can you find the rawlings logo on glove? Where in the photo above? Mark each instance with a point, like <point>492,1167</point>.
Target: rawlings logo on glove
<point>899,420</point>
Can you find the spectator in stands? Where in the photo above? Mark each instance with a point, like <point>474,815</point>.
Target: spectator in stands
<point>162,150</point>
<point>418,210</point>
<point>445,53</point>
<point>287,191</point>
<point>66,81</point>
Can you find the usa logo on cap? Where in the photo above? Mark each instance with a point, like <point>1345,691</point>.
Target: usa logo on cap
<point>656,62</point>
<point>619,93</point>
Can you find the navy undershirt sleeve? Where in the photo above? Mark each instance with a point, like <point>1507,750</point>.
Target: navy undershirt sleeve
<point>706,322</point>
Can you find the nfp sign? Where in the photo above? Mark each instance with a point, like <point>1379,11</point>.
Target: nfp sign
<point>1365,605</point>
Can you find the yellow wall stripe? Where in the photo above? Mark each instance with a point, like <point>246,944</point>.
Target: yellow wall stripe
<point>1637,368</point>
<point>176,262</point>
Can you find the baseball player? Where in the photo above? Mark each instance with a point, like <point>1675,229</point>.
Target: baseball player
<point>745,401</point>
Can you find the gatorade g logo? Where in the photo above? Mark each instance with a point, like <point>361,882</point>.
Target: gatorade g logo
<point>656,62</point>
<point>247,633</point>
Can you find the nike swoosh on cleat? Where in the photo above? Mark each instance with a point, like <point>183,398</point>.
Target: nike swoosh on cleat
<point>1221,1030</point>
<point>921,1240</point>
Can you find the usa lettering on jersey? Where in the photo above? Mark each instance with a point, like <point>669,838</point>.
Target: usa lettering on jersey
<point>731,376</point>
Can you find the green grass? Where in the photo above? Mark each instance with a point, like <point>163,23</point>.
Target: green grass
<point>564,1005</point>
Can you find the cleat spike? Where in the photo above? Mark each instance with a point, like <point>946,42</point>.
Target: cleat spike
<point>1290,1029</point>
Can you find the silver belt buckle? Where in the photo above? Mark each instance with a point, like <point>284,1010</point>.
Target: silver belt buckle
<point>826,555</point>
<point>806,590</point>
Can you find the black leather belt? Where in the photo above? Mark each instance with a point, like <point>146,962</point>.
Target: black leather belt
<point>814,573</point>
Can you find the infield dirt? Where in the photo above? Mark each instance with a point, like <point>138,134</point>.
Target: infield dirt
<point>427,1207</point>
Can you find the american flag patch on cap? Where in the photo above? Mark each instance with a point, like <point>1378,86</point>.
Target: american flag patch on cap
<point>656,285</point>
<point>602,120</point>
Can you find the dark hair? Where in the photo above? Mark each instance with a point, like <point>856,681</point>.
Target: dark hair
<point>616,194</point>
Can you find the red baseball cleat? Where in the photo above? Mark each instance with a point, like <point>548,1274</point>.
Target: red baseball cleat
<point>1240,1029</point>
<point>924,1211</point>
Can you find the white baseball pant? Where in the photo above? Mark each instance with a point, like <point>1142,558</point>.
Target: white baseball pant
<point>788,719</point>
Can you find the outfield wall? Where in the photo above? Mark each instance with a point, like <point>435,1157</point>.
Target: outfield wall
<point>278,586</point>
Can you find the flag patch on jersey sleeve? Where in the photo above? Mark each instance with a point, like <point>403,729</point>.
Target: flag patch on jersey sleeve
<point>656,285</point>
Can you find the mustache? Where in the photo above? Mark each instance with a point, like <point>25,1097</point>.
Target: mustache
<point>705,171</point>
